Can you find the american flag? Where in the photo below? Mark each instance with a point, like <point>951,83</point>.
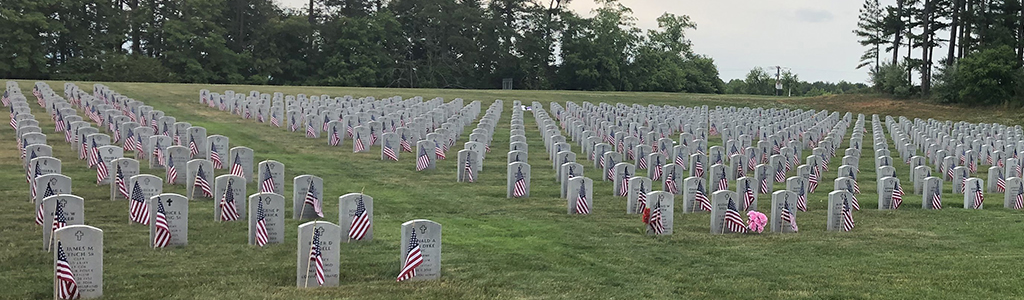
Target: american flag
<point>641,162</point>
<point>897,195</point>
<point>236,167</point>
<point>202,184</point>
<point>101,167</point>
<point>193,149</point>
<point>468,171</point>
<point>654,221</point>
<point>611,168</point>
<point>274,120</point>
<point>68,135</point>
<point>158,153</point>
<point>163,233</point>
<point>702,198</point>
<point>780,173</point>
<point>1000,182</point>
<point>713,130</point>
<point>138,210</point>
<point>60,219</point>
<point>405,144</point>
<point>67,287</point>
<point>316,257</point>
<point>752,162</point>
<point>94,154</point>
<point>39,210</point>
<point>786,215</point>
<point>963,183</point>
<point>850,188</point>
<point>698,168</point>
<point>629,154</point>
<point>262,237</point>
<point>582,207</point>
<point>228,212</point>
<point>937,198</point>
<point>657,171</point>
<point>31,176</point>
<point>824,162</point>
<point>294,126</point>
<point>670,183</point>
<point>310,130</point>
<point>412,260</point>
<point>122,188</point>
<point>813,180</point>
<point>979,195</point>
<point>422,161</point>
<point>847,216</point>
<point>215,157</point>
<point>723,184</point>
<point>748,196</point>
<point>763,184</point>
<point>739,169</point>
<point>624,183</point>
<point>373,136</point>
<point>801,198</point>
<point>172,171</point>
<point>438,151</point>
<point>360,221</point>
<point>335,138</point>
<point>733,221</point>
<point>313,200</point>
<point>357,145</point>
<point>641,201</point>
<point>348,130</point>
<point>130,141</point>
<point>259,116</point>
<point>59,120</point>
<point>388,152</point>
<point>267,184</point>
<point>681,161</point>
<point>1018,202</point>
<point>856,187</point>
<point>519,187</point>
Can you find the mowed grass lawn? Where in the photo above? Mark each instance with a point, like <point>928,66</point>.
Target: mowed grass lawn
<point>495,247</point>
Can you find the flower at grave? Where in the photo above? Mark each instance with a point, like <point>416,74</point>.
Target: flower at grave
<point>756,221</point>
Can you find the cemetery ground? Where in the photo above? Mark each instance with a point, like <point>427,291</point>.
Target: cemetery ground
<point>495,247</point>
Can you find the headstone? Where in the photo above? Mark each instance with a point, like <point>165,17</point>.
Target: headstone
<point>71,210</point>
<point>621,175</point>
<point>1013,198</point>
<point>356,217</point>
<point>321,239</point>
<point>272,205</point>
<point>661,204</point>
<point>974,195</point>
<point>886,187</point>
<point>303,187</point>
<point>746,188</point>
<point>580,195</point>
<point>466,166</point>
<point>425,235</point>
<point>274,170</point>
<point>242,156</point>
<point>718,179</point>
<point>229,201</point>
<point>81,246</point>
<point>960,175</point>
<point>518,180</point>
<point>931,187</point>
<point>840,211</point>
<point>176,156</point>
<point>194,185</point>
<point>567,171</point>
<point>721,202</point>
<point>175,208</point>
<point>694,191</point>
<point>127,167</point>
<point>219,150</point>
<point>425,158</point>
<point>636,200</point>
<point>784,212</point>
<point>49,185</point>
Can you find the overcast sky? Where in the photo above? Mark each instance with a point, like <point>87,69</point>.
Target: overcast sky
<point>813,38</point>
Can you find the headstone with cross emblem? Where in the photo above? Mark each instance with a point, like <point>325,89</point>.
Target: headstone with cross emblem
<point>318,241</point>
<point>175,212</point>
<point>272,205</point>
<point>66,209</point>
<point>82,247</point>
<point>784,204</point>
<point>229,189</point>
<point>838,201</point>
<point>425,234</point>
<point>518,180</point>
<point>307,187</point>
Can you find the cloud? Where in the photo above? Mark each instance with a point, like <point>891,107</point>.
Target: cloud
<point>814,15</point>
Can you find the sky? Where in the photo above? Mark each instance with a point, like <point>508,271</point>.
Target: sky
<point>811,38</point>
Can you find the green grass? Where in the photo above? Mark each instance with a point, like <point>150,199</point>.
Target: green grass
<point>526,248</point>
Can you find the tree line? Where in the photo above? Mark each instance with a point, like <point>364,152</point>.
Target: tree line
<point>984,40</point>
<point>398,43</point>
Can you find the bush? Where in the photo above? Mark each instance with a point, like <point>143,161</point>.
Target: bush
<point>986,77</point>
<point>892,79</point>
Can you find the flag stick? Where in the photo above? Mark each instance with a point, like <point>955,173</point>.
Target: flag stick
<point>310,250</point>
<point>56,281</point>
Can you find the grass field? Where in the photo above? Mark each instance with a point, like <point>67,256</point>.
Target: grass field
<point>526,248</point>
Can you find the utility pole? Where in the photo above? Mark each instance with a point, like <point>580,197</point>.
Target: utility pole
<point>778,80</point>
